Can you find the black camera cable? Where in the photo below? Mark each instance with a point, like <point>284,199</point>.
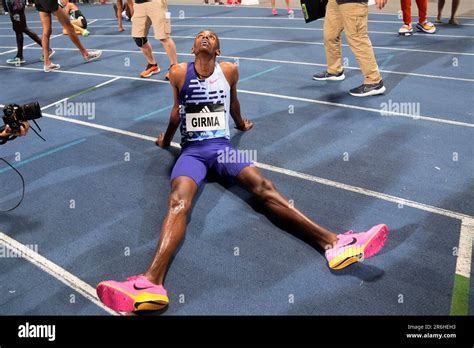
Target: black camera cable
<point>22,184</point>
<point>4,141</point>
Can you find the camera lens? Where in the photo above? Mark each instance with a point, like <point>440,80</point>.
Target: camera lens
<point>31,111</point>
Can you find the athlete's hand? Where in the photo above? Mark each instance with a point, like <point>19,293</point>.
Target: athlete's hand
<point>247,125</point>
<point>380,4</point>
<point>160,141</point>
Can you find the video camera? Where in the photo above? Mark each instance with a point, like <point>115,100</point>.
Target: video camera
<point>15,114</point>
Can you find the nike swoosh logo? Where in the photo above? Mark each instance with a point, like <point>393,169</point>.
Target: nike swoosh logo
<point>211,82</point>
<point>140,288</point>
<point>354,240</point>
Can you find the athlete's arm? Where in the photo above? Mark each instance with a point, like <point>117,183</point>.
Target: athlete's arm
<point>231,73</point>
<point>177,76</point>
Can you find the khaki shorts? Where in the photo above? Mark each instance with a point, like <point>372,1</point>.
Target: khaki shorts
<point>149,13</point>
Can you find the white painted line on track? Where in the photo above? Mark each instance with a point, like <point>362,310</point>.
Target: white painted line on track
<point>56,271</point>
<point>280,96</point>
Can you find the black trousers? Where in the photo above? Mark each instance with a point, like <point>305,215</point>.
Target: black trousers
<point>20,27</point>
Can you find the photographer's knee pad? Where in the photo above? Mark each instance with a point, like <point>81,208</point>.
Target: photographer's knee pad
<point>140,41</point>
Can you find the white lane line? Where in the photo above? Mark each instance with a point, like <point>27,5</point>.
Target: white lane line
<point>280,96</point>
<point>288,172</point>
<point>463,264</point>
<point>280,18</point>
<point>83,73</point>
<point>6,52</point>
<point>276,61</point>
<point>299,19</point>
<point>297,42</point>
<point>391,33</point>
<point>349,106</point>
<point>398,14</point>
<point>91,88</point>
<point>296,10</point>
<point>56,271</point>
<point>295,19</point>
<point>29,45</point>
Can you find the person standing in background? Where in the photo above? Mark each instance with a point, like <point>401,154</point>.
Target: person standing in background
<point>119,9</point>
<point>78,20</point>
<point>454,8</point>
<point>144,14</point>
<point>16,10</point>
<point>47,7</point>
<point>275,11</point>
<point>422,25</point>
<point>352,16</point>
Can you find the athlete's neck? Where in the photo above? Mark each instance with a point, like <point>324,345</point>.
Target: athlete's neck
<point>204,66</point>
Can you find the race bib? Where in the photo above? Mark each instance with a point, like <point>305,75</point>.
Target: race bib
<point>205,117</point>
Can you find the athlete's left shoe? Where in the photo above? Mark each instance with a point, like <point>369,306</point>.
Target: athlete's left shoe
<point>16,61</point>
<point>137,293</point>
<point>353,247</point>
<point>426,27</point>
<point>93,55</point>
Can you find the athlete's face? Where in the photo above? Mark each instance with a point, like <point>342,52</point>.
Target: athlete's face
<point>206,41</point>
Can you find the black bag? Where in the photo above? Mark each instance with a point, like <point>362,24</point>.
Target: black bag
<point>313,9</point>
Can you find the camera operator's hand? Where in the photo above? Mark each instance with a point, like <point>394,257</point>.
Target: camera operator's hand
<point>160,141</point>
<point>246,125</point>
<point>23,130</point>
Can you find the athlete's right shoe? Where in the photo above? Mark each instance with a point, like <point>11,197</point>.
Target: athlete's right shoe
<point>51,67</point>
<point>353,247</point>
<point>323,76</point>
<point>93,55</point>
<point>274,12</point>
<point>137,293</point>
<point>85,32</point>
<point>150,70</point>
<point>406,30</point>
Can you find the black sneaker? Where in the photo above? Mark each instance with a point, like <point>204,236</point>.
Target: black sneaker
<point>367,90</point>
<point>323,76</point>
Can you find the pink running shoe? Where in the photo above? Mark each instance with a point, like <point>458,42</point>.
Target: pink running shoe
<point>353,247</point>
<point>274,12</point>
<point>137,293</point>
<point>290,11</point>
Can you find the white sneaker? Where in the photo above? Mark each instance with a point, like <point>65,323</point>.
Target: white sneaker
<point>93,55</point>
<point>51,67</point>
<point>406,30</point>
